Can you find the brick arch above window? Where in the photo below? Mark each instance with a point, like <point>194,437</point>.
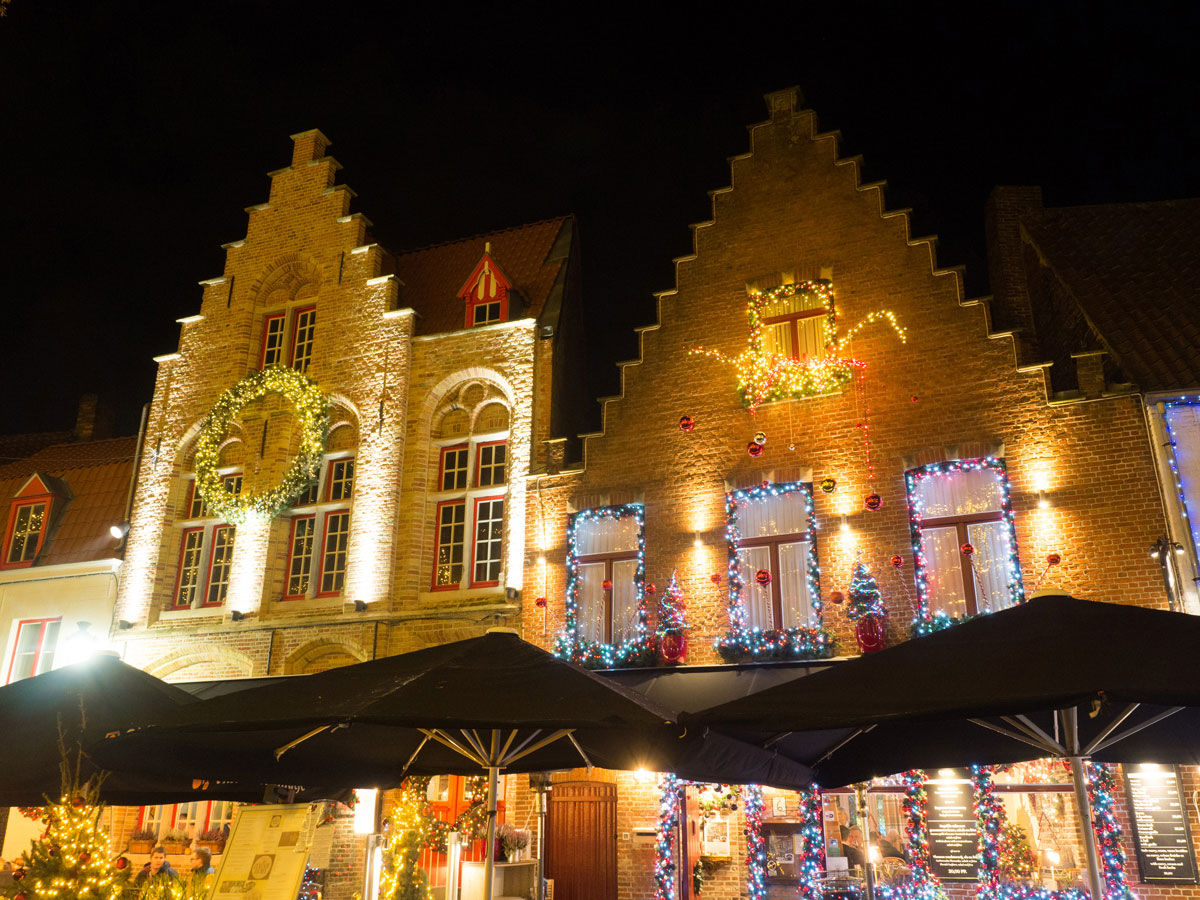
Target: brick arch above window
<point>322,654</point>
<point>295,277</point>
<point>201,664</point>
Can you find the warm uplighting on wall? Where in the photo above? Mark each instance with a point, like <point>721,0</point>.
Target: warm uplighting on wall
<point>644,776</point>
<point>364,810</point>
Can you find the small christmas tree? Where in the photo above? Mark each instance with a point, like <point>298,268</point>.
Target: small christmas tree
<point>672,624</point>
<point>863,594</point>
<point>72,860</point>
<point>408,832</point>
<point>1017,859</point>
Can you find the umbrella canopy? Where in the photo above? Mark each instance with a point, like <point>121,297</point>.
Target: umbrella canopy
<point>81,703</point>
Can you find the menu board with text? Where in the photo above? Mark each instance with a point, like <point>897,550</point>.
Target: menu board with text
<point>953,833</point>
<point>266,853</point>
<point>1161,835</point>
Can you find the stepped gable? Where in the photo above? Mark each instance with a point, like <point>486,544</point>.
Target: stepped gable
<point>97,474</point>
<point>433,276</point>
<point>1134,271</point>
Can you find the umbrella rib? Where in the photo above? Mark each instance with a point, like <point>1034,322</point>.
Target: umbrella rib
<point>858,732</point>
<point>772,741</point>
<point>548,739</point>
<point>476,744</point>
<point>1112,726</point>
<point>443,738</point>
<point>279,751</point>
<point>1026,725</point>
<point>512,736</point>
<point>571,738</point>
<point>1153,720</point>
<point>1015,735</point>
<point>517,754</point>
<point>411,759</point>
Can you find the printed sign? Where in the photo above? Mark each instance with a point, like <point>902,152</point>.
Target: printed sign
<point>266,852</point>
<point>1160,828</point>
<point>953,833</point>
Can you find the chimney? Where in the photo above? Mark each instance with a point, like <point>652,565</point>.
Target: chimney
<point>94,419</point>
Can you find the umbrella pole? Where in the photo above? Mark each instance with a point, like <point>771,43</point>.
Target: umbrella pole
<point>489,859</point>
<point>1070,726</point>
<point>860,796</point>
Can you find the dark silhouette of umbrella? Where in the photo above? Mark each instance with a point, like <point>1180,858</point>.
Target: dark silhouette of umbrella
<point>1055,676</point>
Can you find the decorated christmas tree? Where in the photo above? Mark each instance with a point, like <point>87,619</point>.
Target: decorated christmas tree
<point>408,831</point>
<point>72,860</point>
<point>672,624</point>
<point>863,595</point>
<point>1017,859</point>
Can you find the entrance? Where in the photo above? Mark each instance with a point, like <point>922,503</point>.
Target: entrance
<point>581,840</point>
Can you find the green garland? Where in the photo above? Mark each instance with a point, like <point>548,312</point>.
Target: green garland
<point>471,823</point>
<point>312,410</point>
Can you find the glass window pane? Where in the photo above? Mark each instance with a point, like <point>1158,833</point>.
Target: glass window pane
<point>793,584</point>
<point>589,613</point>
<point>49,645</point>
<point>606,535</point>
<point>489,536</point>
<point>785,514</point>
<point>757,597</point>
<point>333,565</point>
<point>959,493</point>
<point>992,571</point>
<point>450,544</point>
<point>943,571</point>
<point>624,600</point>
<point>300,567</point>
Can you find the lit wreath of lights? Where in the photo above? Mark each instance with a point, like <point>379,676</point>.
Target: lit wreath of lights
<point>312,410</point>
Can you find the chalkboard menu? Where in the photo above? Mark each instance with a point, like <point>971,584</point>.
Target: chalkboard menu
<point>1160,827</point>
<point>953,834</point>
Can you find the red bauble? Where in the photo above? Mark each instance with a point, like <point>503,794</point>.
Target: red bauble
<point>78,802</point>
<point>18,874</point>
<point>1053,559</point>
<point>21,896</point>
<point>872,501</point>
<point>716,577</point>
<point>686,424</point>
<point>869,634</point>
<point>673,647</point>
<point>540,602</point>
<point>606,584</point>
<point>121,862</point>
<point>898,561</point>
<point>837,597</point>
<point>913,398</point>
<point>765,485</point>
<point>763,577</point>
<point>651,590</point>
<point>967,549</point>
<point>754,449</point>
<point>84,857</point>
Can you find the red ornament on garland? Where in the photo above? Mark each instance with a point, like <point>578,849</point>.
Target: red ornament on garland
<point>540,602</point>
<point>651,590</point>
<point>121,862</point>
<point>686,424</point>
<point>967,549</point>
<point>84,857</point>
<point>837,597</point>
<point>716,577</point>
<point>763,577</point>
<point>872,501</point>
<point>21,896</point>
<point>606,584</point>
<point>1053,559</point>
<point>898,561</point>
<point>673,647</point>
<point>755,450</point>
<point>78,802</point>
<point>765,485</point>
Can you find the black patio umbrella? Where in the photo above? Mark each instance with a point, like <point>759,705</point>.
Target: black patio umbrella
<point>77,705</point>
<point>485,704</point>
<point>1055,676</point>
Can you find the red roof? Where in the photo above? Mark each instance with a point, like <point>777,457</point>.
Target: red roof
<point>97,474</point>
<point>1134,271</point>
<point>434,275</point>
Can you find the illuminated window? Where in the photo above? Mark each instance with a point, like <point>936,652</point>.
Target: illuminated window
<point>952,505</point>
<point>33,652</point>
<point>607,552</point>
<point>303,329</point>
<point>795,326</point>
<point>273,340</point>
<point>333,560</point>
<point>489,536</point>
<point>472,472</point>
<point>300,556</point>
<point>220,562</point>
<point>26,532</point>
<point>490,467</point>
<point>191,556</point>
<point>451,531</point>
<point>319,534</point>
<point>341,479</point>
<point>205,551</point>
<point>775,535</point>
<point>192,819</point>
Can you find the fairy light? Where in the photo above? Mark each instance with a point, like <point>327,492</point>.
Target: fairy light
<point>926,621</point>
<point>756,844</point>
<point>1173,461</point>
<point>810,862</point>
<point>1101,784</point>
<point>742,642</point>
<point>640,649</point>
<point>408,832</point>
<point>666,867</point>
<point>312,412</point>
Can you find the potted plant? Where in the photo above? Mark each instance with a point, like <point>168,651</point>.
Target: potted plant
<point>513,840</point>
<point>213,839</point>
<point>175,842</point>
<point>142,840</point>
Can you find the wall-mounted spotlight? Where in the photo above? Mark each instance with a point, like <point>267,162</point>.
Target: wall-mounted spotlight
<point>237,615</point>
<point>360,605</point>
<point>124,624</point>
<point>119,530</point>
<point>1043,500</point>
<point>845,526</point>
<point>696,542</point>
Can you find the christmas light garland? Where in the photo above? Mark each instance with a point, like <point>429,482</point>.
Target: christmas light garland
<point>741,642</point>
<point>665,866</point>
<point>989,819</point>
<point>312,412</point>
<point>1173,461</point>
<point>810,862</point>
<point>863,594</point>
<point>1101,784</point>
<point>640,650</point>
<point>471,823</point>
<point>926,621</point>
<point>756,844</point>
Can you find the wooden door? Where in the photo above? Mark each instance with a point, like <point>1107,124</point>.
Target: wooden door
<point>581,840</point>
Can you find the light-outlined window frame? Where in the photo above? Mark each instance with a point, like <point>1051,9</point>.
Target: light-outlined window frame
<point>46,501</point>
<point>41,661</point>
<point>469,497</point>
<point>318,505</point>
<point>576,560</point>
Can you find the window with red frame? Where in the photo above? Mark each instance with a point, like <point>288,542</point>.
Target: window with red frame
<point>26,532</point>
<point>33,651</point>
<point>304,328</point>
<point>451,534</point>
<point>221,561</point>
<point>454,468</point>
<point>273,340</point>
<point>191,818</point>
<point>489,536</point>
<point>469,523</point>
<point>489,468</point>
<point>300,556</point>
<point>319,534</point>
<point>205,551</point>
<point>333,559</point>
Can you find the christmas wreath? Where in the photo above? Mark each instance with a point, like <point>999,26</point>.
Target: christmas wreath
<point>312,412</point>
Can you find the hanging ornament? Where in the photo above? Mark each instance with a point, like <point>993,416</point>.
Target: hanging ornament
<point>53,851</point>
<point>967,549</point>
<point>651,590</point>
<point>792,447</point>
<point>686,424</point>
<point>1053,559</point>
<point>898,561</point>
<point>540,602</point>
<point>18,874</point>
<point>78,802</point>
<point>755,450</point>
<point>84,857</point>
<point>913,398</point>
<point>673,647</point>
<point>21,896</point>
<point>716,577</point>
<point>837,597</point>
<point>763,577</point>
<point>872,501</point>
<point>828,485</point>
<point>121,862</point>
<point>606,584</point>
<point>760,437</point>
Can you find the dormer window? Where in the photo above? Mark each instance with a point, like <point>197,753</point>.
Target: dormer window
<point>28,523</point>
<point>486,293</point>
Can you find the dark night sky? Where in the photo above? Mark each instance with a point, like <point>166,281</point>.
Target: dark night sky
<point>134,135</point>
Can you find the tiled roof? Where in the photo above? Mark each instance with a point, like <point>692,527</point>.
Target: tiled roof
<point>432,276</point>
<point>1134,270</point>
<point>97,474</point>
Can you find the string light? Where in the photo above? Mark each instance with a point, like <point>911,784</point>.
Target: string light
<point>756,844</point>
<point>408,832</point>
<point>1101,784</point>
<point>638,650</point>
<point>665,865</point>
<point>810,862</point>
<point>1173,460</point>
<point>312,411</point>
<point>742,642</point>
<point>926,621</point>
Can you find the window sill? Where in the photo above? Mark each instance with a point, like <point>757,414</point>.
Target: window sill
<point>457,595</point>
<point>202,612</point>
<point>287,607</point>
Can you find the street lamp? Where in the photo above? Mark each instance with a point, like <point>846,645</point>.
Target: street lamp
<point>1165,550</point>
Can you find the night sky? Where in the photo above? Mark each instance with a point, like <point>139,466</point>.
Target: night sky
<point>135,134</point>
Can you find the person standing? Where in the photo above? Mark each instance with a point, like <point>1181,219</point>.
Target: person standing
<point>157,868</point>
<point>202,872</point>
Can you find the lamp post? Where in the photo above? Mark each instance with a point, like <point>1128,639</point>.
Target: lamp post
<point>1165,550</point>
